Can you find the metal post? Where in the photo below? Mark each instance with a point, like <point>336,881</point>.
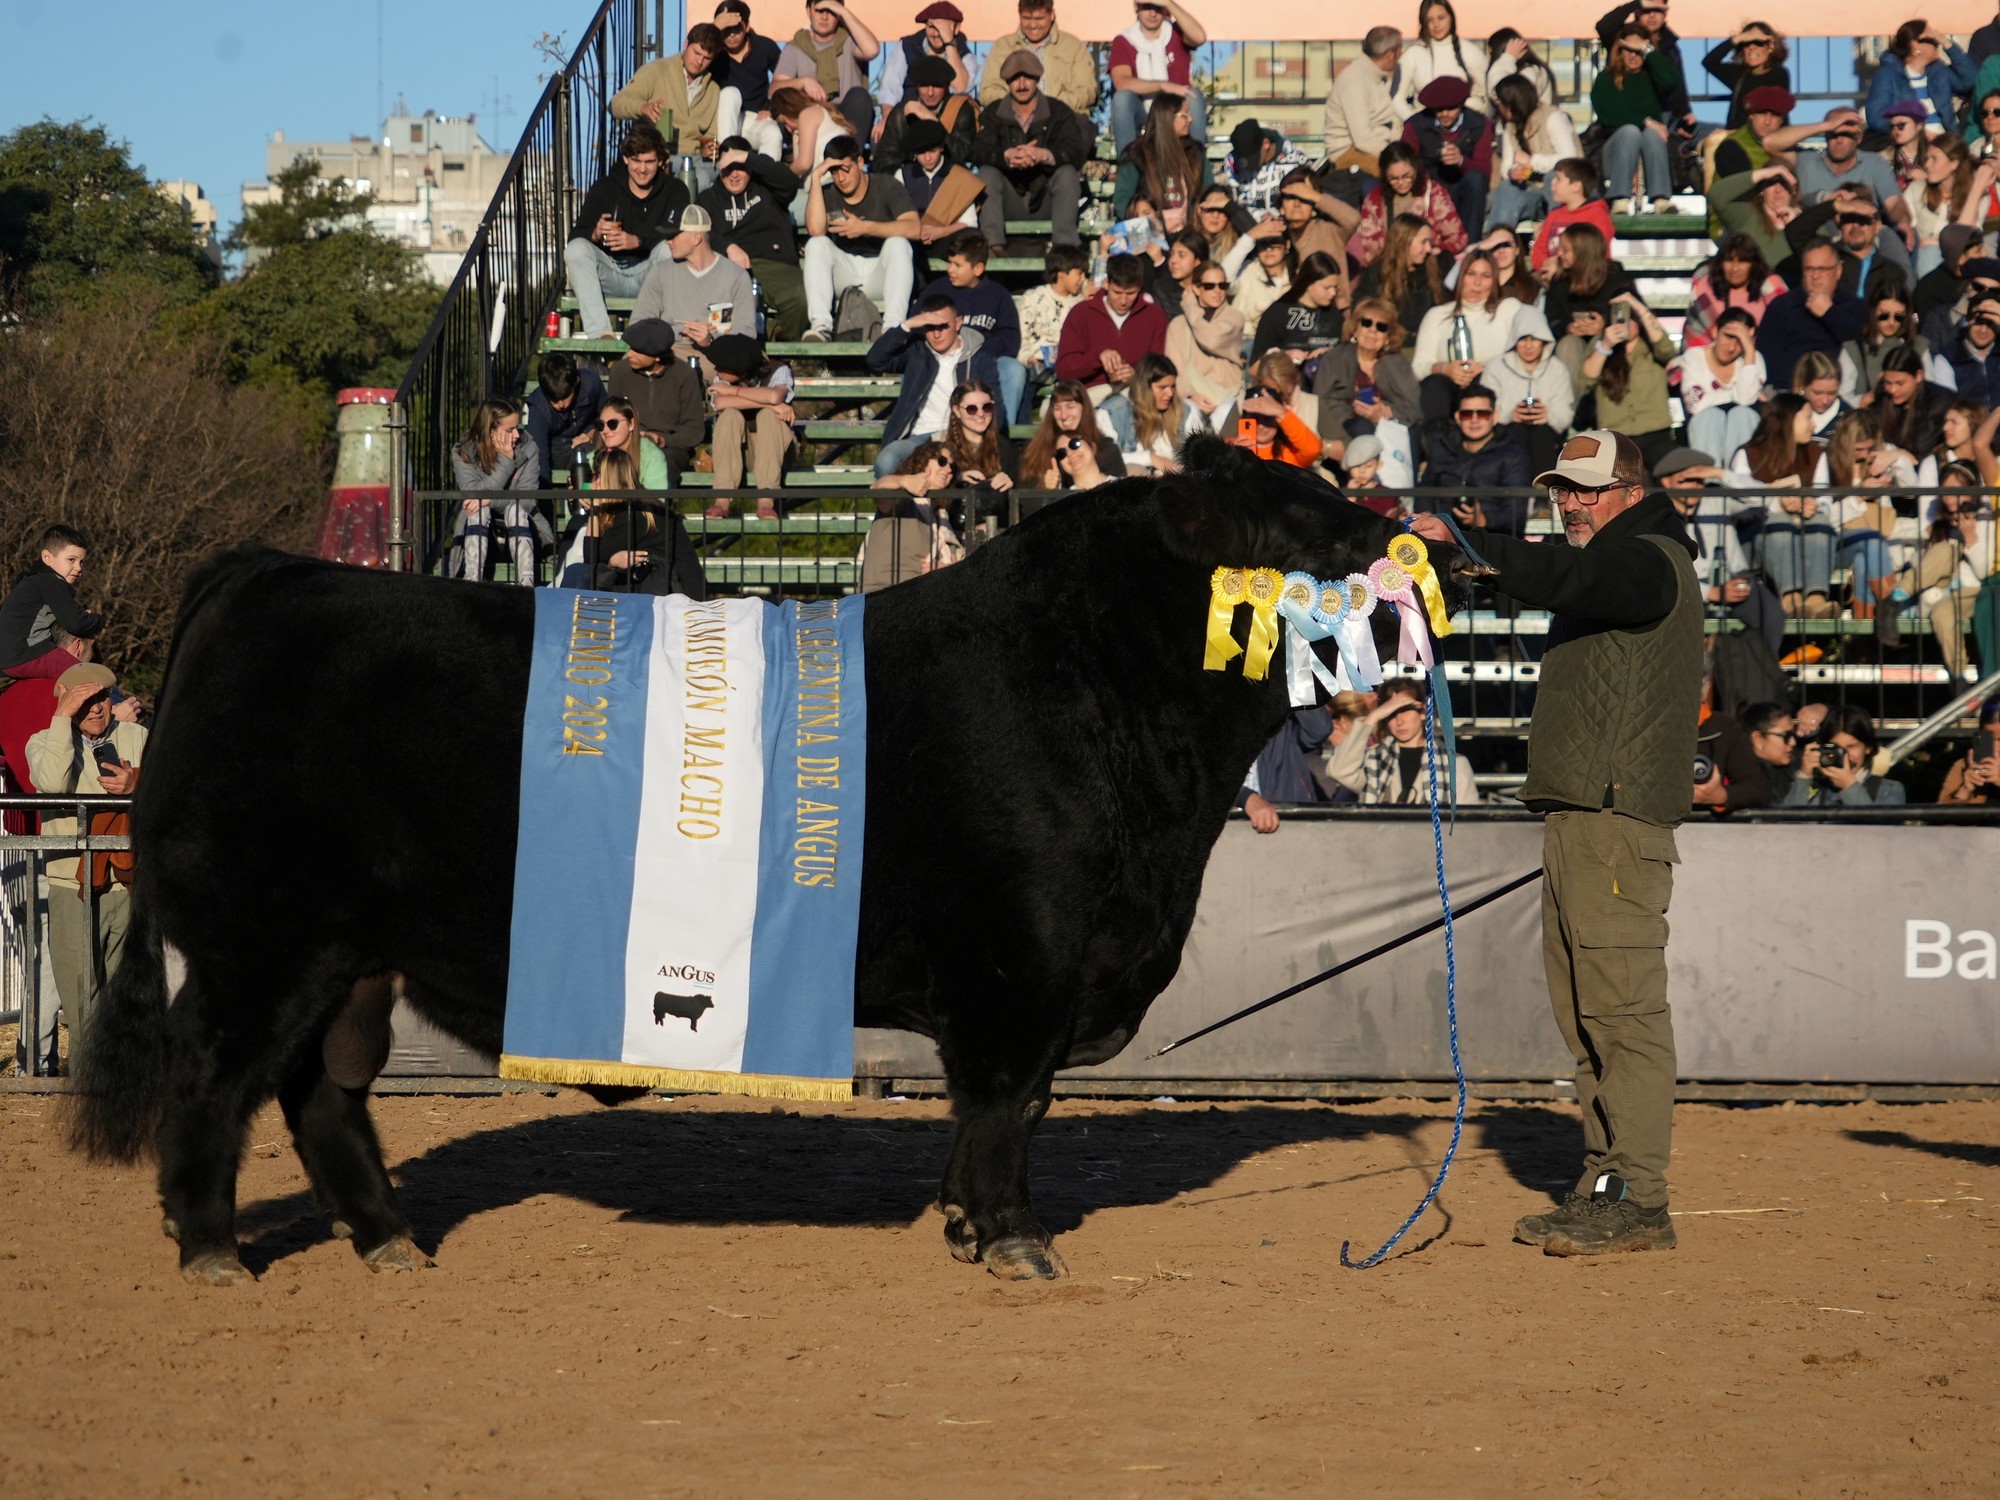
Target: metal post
<point>31,957</point>
<point>399,533</point>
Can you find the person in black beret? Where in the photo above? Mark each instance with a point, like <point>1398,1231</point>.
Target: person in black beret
<point>752,396</point>
<point>931,100</point>
<point>665,394</point>
<point>1456,144</point>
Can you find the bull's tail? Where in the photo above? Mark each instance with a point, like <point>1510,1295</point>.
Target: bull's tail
<point>120,1070</point>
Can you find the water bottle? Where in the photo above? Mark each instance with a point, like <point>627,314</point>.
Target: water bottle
<point>1458,349</point>
<point>757,297</point>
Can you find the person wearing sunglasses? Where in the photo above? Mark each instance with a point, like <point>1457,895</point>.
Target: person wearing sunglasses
<point>1205,343</point>
<point>1749,757</point>
<point>744,70</point>
<point>977,440</point>
<point>1629,99</point>
<point>1366,382</point>
<point>1926,67</point>
<point>1754,56</point>
<point>1843,166</point>
<point>1474,459</point>
<point>1650,16</point>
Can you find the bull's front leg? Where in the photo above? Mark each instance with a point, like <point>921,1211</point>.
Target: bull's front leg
<point>987,1212</point>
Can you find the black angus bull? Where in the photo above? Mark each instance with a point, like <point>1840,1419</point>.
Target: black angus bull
<point>1044,748</point>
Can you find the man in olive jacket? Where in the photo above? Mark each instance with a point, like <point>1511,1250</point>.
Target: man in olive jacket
<point>1610,758</point>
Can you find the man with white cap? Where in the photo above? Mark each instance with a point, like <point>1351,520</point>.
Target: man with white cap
<point>87,750</point>
<point>1610,753</point>
<point>703,295</point>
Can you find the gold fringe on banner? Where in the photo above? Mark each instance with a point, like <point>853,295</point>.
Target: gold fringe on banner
<point>681,1080</point>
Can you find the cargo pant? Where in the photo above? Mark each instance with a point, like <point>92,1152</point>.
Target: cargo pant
<point>1604,944</point>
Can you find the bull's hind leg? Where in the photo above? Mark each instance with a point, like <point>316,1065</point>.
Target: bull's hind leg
<point>336,1141</point>
<point>987,1212</point>
<point>218,1064</point>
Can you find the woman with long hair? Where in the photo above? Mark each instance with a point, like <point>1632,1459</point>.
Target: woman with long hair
<point>977,440</point>
<point>1626,367</point>
<point>1531,134</point>
<point>1307,320</point>
<point>1286,415</point>
<point>617,431</point>
<point>1205,341</point>
<point>631,546</point>
<point>1586,280</point>
<point>1215,216</point>
<point>1920,65</point>
<point>1751,58</point>
<point>1946,197</point>
<point>1173,268</point>
<point>1510,263</point>
<point>1798,538</point>
<point>1164,162</point>
<point>1721,383</point>
<point>1817,378</point>
<point>1960,552</point>
<point>1888,324</point>
<point>1758,205</point>
<point>1509,56</point>
<point>811,125</point>
<point>1459,338</point>
<point>1405,188</point>
<point>1069,414</point>
<point>1629,100</point>
<point>1438,51</point>
<point>1406,274</point>
<point>495,456</point>
<point>1737,275</point>
<point>1267,277</point>
<point>894,551</point>
<point>1909,410</point>
<point>1149,418</point>
<point>1856,455</point>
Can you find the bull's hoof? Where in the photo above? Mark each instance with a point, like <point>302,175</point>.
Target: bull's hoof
<point>960,1236</point>
<point>340,1229</point>
<point>399,1254</point>
<point>1018,1258</point>
<point>214,1268</point>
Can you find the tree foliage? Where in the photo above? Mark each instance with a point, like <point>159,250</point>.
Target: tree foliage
<point>76,214</point>
<point>122,428</point>
<point>307,209</point>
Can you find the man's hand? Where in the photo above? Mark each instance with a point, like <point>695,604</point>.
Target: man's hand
<point>1431,528</point>
<point>652,109</point>
<point>737,254</point>
<point>849,228</point>
<point>119,780</point>
<point>1468,512</point>
<point>1711,793</point>
<point>930,234</point>
<point>810,85</point>
<point>1528,414</point>
<point>1263,816</point>
<point>1114,366</point>
<point>1658,127</point>
<point>919,322</point>
<point>127,710</point>
<point>701,334</point>
<point>71,703</point>
<point>1450,155</point>
<point>1735,591</point>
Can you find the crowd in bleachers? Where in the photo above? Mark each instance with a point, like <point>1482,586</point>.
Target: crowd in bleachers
<point>1431,295</point>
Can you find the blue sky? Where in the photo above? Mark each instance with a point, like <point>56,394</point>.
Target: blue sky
<point>196,89</point>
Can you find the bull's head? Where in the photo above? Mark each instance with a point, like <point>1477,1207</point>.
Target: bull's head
<point>1229,509</point>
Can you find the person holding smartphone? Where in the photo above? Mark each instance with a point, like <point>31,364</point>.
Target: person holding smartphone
<point>1975,777</point>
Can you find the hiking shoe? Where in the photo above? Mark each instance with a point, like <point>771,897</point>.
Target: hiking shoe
<point>1535,1229</point>
<point>1609,1222</point>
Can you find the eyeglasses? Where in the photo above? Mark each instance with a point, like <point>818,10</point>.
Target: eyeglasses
<point>1789,736</point>
<point>1214,208</point>
<point>1843,135</point>
<point>1638,52</point>
<point>1754,42</point>
<point>1562,495</point>
<point>1376,323</point>
<point>1477,413</point>
<point>1859,218</point>
<point>1984,114</point>
<point>612,424</point>
<point>976,408</point>
<point>1890,315</point>
<point>1213,286</point>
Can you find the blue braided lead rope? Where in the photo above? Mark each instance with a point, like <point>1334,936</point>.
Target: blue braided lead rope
<point>1450,1009</point>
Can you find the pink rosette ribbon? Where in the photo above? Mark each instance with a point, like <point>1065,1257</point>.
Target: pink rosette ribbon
<point>1393,582</point>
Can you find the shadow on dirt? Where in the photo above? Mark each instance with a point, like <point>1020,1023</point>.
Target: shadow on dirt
<point>1978,1154</point>
<point>1537,1145</point>
<point>789,1168</point>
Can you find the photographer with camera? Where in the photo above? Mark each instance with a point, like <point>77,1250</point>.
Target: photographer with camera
<point>1836,771</point>
<point>89,749</point>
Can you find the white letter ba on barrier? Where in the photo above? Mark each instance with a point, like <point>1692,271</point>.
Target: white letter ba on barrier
<point>1927,952</point>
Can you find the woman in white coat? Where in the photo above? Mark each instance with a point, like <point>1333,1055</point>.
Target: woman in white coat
<point>1438,51</point>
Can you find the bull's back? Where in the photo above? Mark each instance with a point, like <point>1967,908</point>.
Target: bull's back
<point>336,756</point>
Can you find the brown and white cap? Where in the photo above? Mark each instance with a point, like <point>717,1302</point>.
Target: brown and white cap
<point>1596,459</point>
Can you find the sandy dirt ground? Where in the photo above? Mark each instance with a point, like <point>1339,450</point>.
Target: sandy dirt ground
<point>703,1297</point>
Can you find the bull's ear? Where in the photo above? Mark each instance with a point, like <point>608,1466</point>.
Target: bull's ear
<point>1203,505</point>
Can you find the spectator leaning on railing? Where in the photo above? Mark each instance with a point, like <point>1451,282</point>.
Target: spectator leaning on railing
<point>1387,759</point>
<point>492,458</point>
<point>88,749</point>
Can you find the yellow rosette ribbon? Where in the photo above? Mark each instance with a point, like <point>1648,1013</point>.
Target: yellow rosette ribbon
<point>1265,587</point>
<point>1411,555</point>
<point>1227,588</point>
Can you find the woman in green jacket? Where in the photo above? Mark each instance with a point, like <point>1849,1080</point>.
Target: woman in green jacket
<point>1629,98</point>
<point>1625,366</point>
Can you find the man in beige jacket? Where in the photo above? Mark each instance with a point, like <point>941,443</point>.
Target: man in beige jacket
<point>88,749</point>
<point>682,87</point>
<point>1360,117</point>
<point>1068,73</point>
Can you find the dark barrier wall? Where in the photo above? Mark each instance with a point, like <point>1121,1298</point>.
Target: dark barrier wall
<point>1800,952</point>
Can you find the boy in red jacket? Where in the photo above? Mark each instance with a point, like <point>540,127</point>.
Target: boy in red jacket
<point>1104,337</point>
<point>1571,184</point>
